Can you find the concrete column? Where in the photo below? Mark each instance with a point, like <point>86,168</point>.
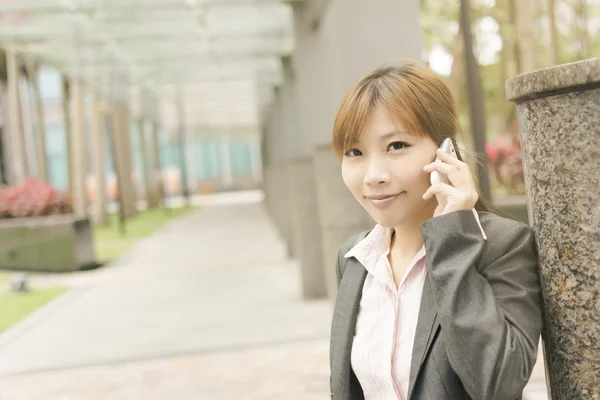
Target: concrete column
<point>145,173</point>
<point>39,125</point>
<point>78,148</point>
<point>17,158</point>
<point>340,215</point>
<point>559,118</point>
<point>348,39</point>
<point>99,160</point>
<point>68,129</point>
<point>275,173</point>
<point>157,167</point>
<point>181,144</point>
<point>306,228</point>
<point>122,149</point>
<point>190,163</point>
<point>5,143</point>
<point>226,175</point>
<point>256,159</point>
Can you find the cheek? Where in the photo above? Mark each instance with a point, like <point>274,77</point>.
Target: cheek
<point>351,177</point>
<point>411,173</point>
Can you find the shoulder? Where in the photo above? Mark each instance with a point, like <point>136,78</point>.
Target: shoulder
<point>506,236</point>
<point>498,228</point>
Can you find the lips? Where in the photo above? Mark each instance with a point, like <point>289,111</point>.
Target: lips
<point>383,200</point>
<point>382,197</point>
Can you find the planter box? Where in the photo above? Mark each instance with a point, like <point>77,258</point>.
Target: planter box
<point>57,243</point>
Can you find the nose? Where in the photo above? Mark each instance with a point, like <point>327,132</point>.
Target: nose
<point>377,172</point>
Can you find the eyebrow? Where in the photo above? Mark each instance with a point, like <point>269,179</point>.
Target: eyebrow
<point>385,136</point>
<point>390,134</point>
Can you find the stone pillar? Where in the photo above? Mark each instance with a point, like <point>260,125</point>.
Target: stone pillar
<point>559,118</point>
<point>145,173</point>
<point>349,39</point>
<point>157,170</point>
<point>255,159</point>
<point>99,159</point>
<point>122,150</point>
<point>78,148</point>
<point>17,158</point>
<point>226,175</point>
<point>38,122</point>
<point>306,227</point>
<point>66,101</point>
<point>340,215</point>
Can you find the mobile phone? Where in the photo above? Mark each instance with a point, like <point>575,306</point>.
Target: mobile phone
<point>437,177</point>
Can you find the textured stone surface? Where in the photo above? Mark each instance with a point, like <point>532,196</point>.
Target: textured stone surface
<point>561,153</point>
<point>340,214</point>
<point>563,77</point>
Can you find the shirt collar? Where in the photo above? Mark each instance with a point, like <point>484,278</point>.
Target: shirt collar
<point>377,242</point>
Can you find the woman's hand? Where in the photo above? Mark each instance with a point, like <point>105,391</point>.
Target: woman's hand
<point>462,195</point>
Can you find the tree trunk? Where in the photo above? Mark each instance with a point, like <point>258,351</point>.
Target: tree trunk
<point>583,34</point>
<point>525,36</point>
<point>554,47</point>
<point>476,100</point>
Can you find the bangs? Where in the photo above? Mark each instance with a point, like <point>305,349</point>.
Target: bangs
<point>381,88</point>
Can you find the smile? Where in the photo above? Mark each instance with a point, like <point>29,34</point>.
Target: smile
<point>383,200</point>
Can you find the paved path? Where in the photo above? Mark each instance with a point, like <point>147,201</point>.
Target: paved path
<point>206,309</point>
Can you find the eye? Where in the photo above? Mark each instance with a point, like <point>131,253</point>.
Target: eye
<point>398,145</point>
<point>353,153</point>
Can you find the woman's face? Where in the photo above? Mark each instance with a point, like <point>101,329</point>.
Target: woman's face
<point>384,171</point>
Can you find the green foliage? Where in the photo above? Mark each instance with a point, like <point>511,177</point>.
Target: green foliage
<point>111,244</point>
<point>16,306</point>
<point>440,26</point>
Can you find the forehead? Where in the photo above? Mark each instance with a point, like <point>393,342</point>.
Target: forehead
<point>380,124</point>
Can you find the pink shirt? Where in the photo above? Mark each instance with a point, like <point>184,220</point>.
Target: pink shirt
<point>387,318</point>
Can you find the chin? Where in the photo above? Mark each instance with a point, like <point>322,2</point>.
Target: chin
<point>390,220</point>
<point>399,216</point>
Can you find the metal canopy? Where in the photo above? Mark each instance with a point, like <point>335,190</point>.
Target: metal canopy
<point>219,58</point>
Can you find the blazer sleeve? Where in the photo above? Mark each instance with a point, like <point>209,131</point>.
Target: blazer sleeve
<point>490,316</point>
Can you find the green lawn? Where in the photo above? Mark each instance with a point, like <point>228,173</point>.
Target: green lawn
<point>15,306</point>
<point>111,244</point>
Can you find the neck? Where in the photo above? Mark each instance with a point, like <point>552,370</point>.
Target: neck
<point>407,237</point>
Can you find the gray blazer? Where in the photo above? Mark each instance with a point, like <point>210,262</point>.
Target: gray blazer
<point>480,317</point>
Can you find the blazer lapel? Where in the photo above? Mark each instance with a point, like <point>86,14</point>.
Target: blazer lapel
<point>344,323</point>
<point>426,326</point>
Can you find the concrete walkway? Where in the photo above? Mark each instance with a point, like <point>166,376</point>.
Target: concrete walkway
<point>207,308</point>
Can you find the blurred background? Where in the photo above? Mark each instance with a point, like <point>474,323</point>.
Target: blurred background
<point>170,205</point>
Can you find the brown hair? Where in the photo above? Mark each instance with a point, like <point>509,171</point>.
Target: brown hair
<point>413,94</point>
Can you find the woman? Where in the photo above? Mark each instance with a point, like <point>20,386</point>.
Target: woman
<point>438,301</point>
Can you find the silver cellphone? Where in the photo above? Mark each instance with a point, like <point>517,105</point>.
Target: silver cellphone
<point>437,177</point>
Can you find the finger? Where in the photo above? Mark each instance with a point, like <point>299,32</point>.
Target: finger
<point>439,189</point>
<point>460,176</point>
<point>447,158</point>
<point>440,166</point>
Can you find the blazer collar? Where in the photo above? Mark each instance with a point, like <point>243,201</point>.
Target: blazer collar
<point>344,324</point>
<point>427,326</point>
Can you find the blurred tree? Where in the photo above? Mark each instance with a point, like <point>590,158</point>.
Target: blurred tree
<point>476,101</point>
<point>554,44</point>
<point>581,19</point>
<point>509,37</point>
<point>525,23</point>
